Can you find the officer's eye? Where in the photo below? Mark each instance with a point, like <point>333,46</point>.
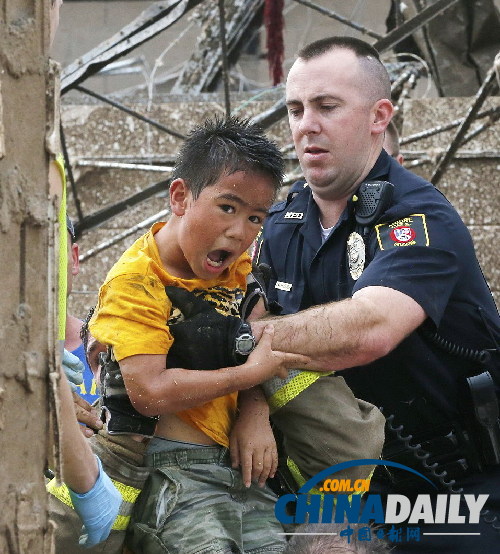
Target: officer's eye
<point>294,112</point>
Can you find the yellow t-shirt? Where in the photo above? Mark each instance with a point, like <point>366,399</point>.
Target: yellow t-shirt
<point>133,312</point>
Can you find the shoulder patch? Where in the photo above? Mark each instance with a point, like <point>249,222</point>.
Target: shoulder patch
<point>408,231</point>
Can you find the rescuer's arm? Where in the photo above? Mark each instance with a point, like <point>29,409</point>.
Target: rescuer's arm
<point>348,333</point>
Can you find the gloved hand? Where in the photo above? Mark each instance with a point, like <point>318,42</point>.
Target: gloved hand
<point>97,509</point>
<point>73,368</point>
<point>205,339</point>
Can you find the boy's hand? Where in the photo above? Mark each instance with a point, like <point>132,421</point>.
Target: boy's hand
<point>272,363</point>
<point>252,445</point>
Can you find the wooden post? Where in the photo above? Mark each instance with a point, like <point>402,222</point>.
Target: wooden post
<point>26,306</point>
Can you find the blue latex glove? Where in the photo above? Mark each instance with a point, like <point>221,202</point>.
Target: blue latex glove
<point>97,509</point>
<point>74,368</point>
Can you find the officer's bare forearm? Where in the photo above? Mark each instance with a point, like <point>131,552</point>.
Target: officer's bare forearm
<point>348,333</point>
<point>329,334</point>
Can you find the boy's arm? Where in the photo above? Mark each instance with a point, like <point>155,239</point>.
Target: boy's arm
<point>252,442</point>
<point>154,390</point>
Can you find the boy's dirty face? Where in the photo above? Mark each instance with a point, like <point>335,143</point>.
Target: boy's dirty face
<point>223,221</point>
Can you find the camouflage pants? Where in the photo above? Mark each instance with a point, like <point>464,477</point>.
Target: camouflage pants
<point>195,503</point>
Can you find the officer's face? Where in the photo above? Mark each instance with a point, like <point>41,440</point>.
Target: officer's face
<point>330,115</point>
<point>217,227</point>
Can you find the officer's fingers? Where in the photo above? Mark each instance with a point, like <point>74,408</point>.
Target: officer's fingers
<point>281,372</point>
<point>291,361</point>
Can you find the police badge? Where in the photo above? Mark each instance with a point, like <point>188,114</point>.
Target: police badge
<point>356,255</point>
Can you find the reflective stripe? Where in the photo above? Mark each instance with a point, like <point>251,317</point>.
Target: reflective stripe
<point>280,391</point>
<point>129,496</point>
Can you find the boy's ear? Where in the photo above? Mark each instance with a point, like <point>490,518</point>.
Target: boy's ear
<point>178,196</point>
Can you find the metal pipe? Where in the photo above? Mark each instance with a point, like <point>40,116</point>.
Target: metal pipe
<point>123,235</point>
<point>340,18</point>
<point>130,112</point>
<point>225,70</point>
<point>121,165</point>
<point>446,127</point>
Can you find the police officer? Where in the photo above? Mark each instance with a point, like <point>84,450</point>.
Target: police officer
<point>384,275</point>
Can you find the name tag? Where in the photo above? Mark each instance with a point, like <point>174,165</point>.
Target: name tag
<point>294,215</point>
<point>280,285</point>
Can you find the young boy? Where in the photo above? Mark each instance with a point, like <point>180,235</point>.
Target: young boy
<point>224,182</point>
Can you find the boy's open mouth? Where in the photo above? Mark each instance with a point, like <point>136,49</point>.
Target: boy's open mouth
<point>217,257</point>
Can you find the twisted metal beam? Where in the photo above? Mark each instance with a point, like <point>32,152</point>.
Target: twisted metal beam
<point>445,127</point>
<point>123,235</point>
<point>488,84</point>
<point>150,22</point>
<point>123,108</point>
<point>340,18</point>
<point>406,29</point>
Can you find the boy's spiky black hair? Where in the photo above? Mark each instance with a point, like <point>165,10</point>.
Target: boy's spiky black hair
<point>222,146</point>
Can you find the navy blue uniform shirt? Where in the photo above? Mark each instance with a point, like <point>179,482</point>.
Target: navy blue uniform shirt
<point>420,247</point>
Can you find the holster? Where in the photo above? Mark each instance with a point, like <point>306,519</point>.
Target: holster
<point>117,410</point>
<point>485,422</point>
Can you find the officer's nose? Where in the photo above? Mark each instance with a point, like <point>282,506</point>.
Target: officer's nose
<point>309,123</point>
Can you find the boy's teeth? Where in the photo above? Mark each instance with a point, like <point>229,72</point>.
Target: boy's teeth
<point>213,263</point>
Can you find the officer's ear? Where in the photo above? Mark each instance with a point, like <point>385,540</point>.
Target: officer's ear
<point>382,112</point>
<point>179,194</point>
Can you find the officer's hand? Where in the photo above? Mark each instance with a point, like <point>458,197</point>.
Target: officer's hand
<point>73,368</point>
<point>204,339</point>
<point>265,362</point>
